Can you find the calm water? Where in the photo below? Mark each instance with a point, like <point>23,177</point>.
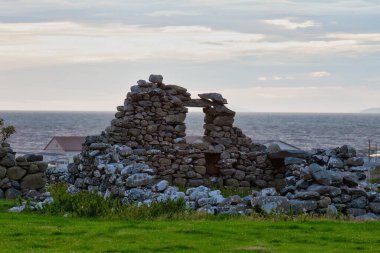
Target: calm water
<point>35,129</point>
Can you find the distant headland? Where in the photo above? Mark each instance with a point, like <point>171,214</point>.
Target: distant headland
<point>371,110</point>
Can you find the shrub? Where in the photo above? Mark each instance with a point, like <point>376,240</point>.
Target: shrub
<point>5,131</point>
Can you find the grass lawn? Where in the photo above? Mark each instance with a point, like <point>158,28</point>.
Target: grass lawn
<point>42,233</point>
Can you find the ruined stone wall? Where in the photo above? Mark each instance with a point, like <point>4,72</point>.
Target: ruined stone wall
<point>24,175</point>
<point>153,117</point>
<point>151,122</point>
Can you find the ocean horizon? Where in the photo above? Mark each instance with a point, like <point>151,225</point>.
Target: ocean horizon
<point>304,130</point>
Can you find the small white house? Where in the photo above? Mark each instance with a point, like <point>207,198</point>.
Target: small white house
<point>65,144</point>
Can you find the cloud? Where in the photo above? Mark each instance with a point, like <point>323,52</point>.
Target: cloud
<point>30,44</point>
<point>289,24</point>
<point>320,74</point>
<point>172,13</point>
<point>359,37</point>
<point>275,78</point>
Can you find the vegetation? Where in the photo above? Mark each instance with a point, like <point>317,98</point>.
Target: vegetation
<point>31,232</point>
<point>87,204</point>
<point>5,131</point>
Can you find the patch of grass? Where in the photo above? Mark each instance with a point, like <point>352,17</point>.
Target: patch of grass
<point>87,204</point>
<point>31,232</point>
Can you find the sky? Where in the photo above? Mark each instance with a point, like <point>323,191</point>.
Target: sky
<point>263,56</point>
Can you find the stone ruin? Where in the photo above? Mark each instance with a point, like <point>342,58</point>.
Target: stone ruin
<point>144,153</point>
<point>151,122</point>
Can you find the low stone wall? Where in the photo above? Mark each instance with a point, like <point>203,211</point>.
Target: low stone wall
<point>21,176</point>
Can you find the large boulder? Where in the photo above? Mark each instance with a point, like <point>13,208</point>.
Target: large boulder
<point>274,204</point>
<point>16,173</point>
<point>33,181</point>
<point>320,174</point>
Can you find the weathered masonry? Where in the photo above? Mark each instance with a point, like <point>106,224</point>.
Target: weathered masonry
<point>151,122</point>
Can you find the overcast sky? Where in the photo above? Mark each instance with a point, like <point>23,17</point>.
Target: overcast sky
<point>263,56</point>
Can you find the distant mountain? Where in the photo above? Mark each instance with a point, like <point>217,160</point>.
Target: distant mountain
<point>372,110</point>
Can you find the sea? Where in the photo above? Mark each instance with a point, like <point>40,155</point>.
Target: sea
<point>303,130</point>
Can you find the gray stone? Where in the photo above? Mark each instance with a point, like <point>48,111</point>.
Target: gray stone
<point>175,118</point>
<point>261,183</point>
<point>3,171</point>
<point>375,207</point>
<point>322,189</point>
<point>215,97</point>
<point>347,151</point>
<point>217,196</point>
<point>367,217</point>
<point>2,195</point>
<point>12,193</point>
<point>302,184</point>
<point>356,212</point>
<point>273,148</point>
<point>288,189</point>
<point>33,181</point>
<point>324,202</point>
<point>139,179</point>
<point>320,174</point>
<point>274,204</point>
<point>17,209</point>
<point>15,173</point>
<point>99,146</point>
<point>136,168</point>
<point>160,186</point>
<point>350,179</point>
<point>336,177</point>
<point>307,195</point>
<point>360,202</point>
<point>206,201</point>
<point>223,121</point>
<point>8,160</point>
<point>302,206</point>
<point>232,200</point>
<point>331,211</point>
<point>33,158</point>
<point>156,79</point>
<point>267,192</point>
<point>289,153</point>
<point>335,162</point>
<point>355,161</point>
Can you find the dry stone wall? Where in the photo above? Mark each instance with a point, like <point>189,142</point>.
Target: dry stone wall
<point>151,123</point>
<point>24,175</point>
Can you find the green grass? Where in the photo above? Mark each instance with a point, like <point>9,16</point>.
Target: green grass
<point>28,232</point>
